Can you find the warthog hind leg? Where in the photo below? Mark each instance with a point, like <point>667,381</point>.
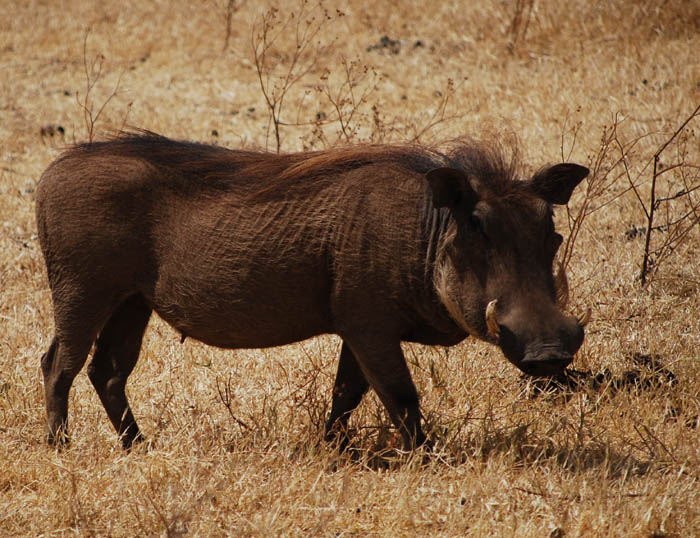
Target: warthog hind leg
<point>60,364</point>
<point>116,353</point>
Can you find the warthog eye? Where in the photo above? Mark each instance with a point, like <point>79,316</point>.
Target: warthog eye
<point>476,224</point>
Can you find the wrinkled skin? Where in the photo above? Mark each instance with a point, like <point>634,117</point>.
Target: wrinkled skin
<point>237,249</point>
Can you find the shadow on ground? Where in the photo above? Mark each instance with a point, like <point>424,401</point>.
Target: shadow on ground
<point>648,373</point>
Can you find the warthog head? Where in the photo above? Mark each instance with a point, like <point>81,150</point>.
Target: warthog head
<point>494,270</point>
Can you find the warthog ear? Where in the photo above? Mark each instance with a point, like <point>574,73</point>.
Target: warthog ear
<point>556,183</point>
<point>451,188</point>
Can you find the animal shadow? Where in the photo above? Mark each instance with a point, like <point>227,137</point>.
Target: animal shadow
<point>648,373</point>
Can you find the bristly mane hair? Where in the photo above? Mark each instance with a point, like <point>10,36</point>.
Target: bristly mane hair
<point>274,173</point>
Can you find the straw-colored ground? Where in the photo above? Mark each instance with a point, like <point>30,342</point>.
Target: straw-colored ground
<point>618,457</point>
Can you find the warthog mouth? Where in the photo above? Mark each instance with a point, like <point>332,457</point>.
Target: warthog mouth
<point>540,367</point>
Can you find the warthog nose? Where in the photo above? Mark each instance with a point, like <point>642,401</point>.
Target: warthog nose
<point>549,364</point>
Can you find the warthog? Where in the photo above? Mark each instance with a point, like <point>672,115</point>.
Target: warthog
<point>246,249</point>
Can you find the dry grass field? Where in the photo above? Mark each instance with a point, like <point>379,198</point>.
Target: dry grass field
<point>234,437</point>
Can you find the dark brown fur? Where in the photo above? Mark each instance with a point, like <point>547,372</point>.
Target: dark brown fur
<point>378,244</point>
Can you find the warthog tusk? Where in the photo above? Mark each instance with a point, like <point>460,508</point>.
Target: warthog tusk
<point>491,322</point>
<point>583,320</point>
<point>561,285</point>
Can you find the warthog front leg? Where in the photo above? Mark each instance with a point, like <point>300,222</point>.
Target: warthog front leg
<point>384,366</point>
<point>350,385</point>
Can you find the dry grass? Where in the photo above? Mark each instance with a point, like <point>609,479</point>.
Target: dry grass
<point>616,457</point>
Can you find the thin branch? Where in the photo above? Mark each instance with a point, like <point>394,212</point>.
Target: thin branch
<point>226,398</point>
<point>230,10</point>
<point>652,196</point>
<point>93,74</point>
<point>678,131</point>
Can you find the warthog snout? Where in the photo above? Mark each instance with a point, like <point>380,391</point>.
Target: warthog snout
<point>538,348</point>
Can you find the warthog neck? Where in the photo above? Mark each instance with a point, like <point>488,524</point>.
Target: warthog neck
<point>447,311</point>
